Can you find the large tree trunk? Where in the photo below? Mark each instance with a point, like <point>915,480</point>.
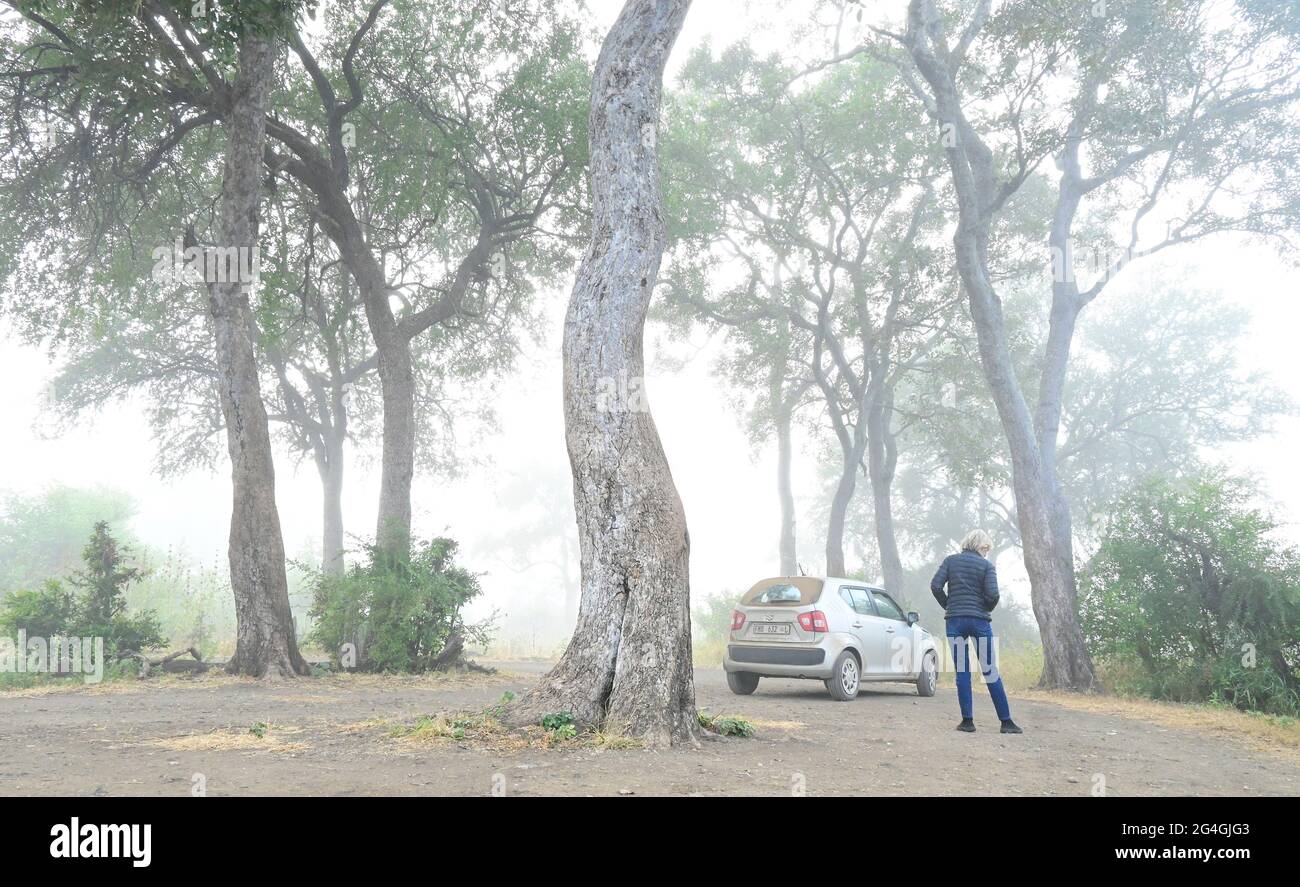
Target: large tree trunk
<point>1041,511</point>
<point>628,666</point>
<point>397,382</point>
<point>265,643</point>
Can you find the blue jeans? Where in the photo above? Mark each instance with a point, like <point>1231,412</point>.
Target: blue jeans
<point>960,631</point>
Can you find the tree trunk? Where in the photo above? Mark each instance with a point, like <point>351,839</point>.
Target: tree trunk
<point>265,643</point>
<point>840,502</point>
<point>853,444</point>
<point>331,478</point>
<point>785,490</point>
<point>628,666</point>
<point>393,359</point>
<point>397,378</point>
<point>397,393</point>
<point>1041,511</point>
<point>882,459</point>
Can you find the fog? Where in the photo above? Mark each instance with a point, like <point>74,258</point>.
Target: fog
<point>728,485</point>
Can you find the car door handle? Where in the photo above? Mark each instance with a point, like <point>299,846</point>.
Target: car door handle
<point>890,630</point>
<point>857,625</point>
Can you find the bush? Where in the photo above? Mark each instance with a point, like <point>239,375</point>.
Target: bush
<point>1190,598</point>
<point>101,606</point>
<point>398,617</point>
<point>99,610</point>
<point>45,612</point>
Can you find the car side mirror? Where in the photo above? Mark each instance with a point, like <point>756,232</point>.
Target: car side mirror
<point>913,617</point>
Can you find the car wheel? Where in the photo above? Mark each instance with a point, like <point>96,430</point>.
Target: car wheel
<point>845,677</point>
<point>742,683</point>
<point>927,681</point>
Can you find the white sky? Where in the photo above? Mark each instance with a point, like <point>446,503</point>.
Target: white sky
<point>729,493</point>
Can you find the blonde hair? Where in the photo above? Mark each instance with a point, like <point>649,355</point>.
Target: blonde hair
<point>977,540</point>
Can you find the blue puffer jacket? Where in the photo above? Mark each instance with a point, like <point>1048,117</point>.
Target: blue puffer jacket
<point>972,586</point>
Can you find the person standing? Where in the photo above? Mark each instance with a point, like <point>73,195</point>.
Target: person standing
<point>971,584</point>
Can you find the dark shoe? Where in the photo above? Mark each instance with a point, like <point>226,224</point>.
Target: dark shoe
<point>966,725</point>
<point>1009,726</point>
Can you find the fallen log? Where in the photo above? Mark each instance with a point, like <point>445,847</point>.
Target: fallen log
<point>170,663</point>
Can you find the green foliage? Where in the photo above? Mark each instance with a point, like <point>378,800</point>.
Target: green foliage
<point>726,725</point>
<point>560,725</point>
<point>259,729</point>
<point>1191,598</point>
<point>101,606</point>
<point>45,612</point>
<point>556,720</point>
<point>400,616</point>
<point>98,610</point>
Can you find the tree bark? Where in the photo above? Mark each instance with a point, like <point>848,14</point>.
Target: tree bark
<point>265,642</point>
<point>397,471</point>
<point>628,666</point>
<point>1042,513</point>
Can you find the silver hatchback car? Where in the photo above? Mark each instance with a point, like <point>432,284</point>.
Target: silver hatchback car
<point>840,631</point>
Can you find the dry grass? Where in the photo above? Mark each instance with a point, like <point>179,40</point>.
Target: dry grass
<point>270,738</point>
<point>128,685</point>
<point>483,730</point>
<point>470,731</point>
<point>1278,735</point>
<point>365,726</point>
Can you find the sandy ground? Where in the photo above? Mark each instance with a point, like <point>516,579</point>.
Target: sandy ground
<point>332,736</point>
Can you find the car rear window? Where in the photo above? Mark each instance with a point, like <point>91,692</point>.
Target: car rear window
<point>789,590</point>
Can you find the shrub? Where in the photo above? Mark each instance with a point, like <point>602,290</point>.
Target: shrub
<point>98,610</point>
<point>45,612</point>
<point>398,617</point>
<point>101,606</point>
<point>1190,598</point>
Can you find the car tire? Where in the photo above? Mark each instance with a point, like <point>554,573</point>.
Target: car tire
<point>845,679</point>
<point>928,680</point>
<point>742,683</point>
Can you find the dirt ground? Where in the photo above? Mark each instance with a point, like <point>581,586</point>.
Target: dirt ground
<point>334,736</point>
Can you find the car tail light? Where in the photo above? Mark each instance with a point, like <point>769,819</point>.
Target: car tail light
<point>737,620</point>
<point>814,621</point>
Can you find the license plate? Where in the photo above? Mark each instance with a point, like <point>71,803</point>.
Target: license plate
<point>773,628</point>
